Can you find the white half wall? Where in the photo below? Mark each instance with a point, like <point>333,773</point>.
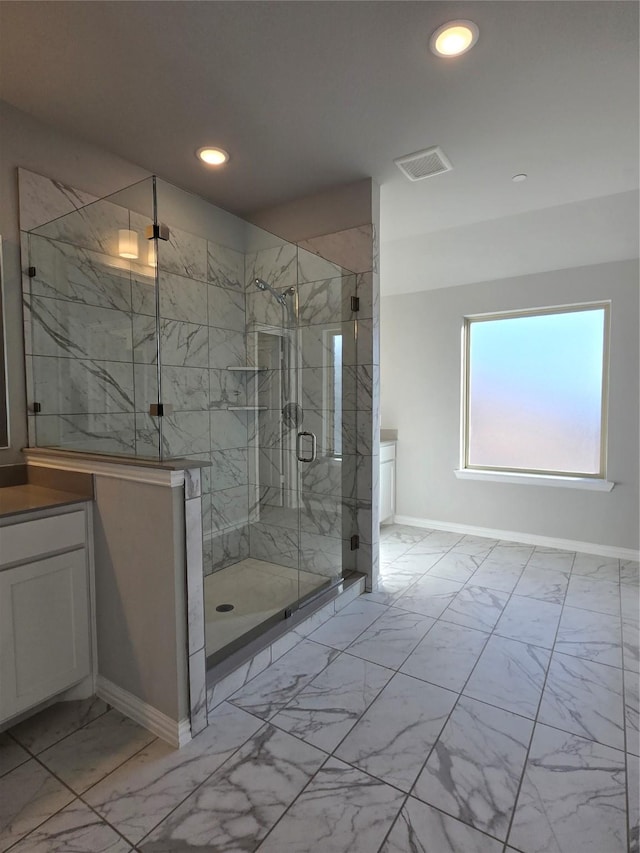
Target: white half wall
<point>420,393</point>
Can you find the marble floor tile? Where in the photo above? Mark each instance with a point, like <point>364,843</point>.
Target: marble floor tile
<point>631,645</point>
<point>551,559</point>
<point>391,585</point>
<point>11,754</point>
<point>442,539</point>
<point>630,603</point>
<point>341,811</point>
<point>394,737</point>
<point>584,698</point>
<point>238,805</point>
<point>476,607</point>
<point>479,546</point>
<point>446,655</point>
<point>269,692</point>
<point>572,797</point>
<point>593,594</point>
<point>509,675</point>
<point>343,628</point>
<point>594,566</point>
<point>90,753</point>
<point>529,621</point>
<point>29,795</point>
<point>630,572</point>
<point>327,708</point>
<point>417,563</point>
<point>429,596</point>
<point>420,828</point>
<point>543,584</point>
<point>474,770</point>
<point>75,829</point>
<point>632,711</point>
<point>146,788</point>
<point>633,785</point>
<point>496,575</point>
<point>512,553</point>
<point>405,533</point>
<point>56,722</point>
<point>456,566</point>
<point>391,638</point>
<point>390,550</point>
<point>590,635</point>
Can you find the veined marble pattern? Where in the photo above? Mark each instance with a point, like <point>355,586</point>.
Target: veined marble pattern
<point>475,607</point>
<point>228,429</point>
<point>43,199</point>
<point>274,544</point>
<point>70,273</point>
<point>97,433</point>
<point>593,594</point>
<point>341,810</point>
<point>182,298</point>
<point>447,655</point>
<point>326,301</point>
<point>75,829</point>
<point>181,344</point>
<point>474,771</point>
<point>74,330</point>
<point>186,388</point>
<point>593,566</point>
<point>629,572</point>
<point>229,468</point>
<point>591,635</point>
<point>394,737</point>
<point>572,797</point>
<point>184,254</point>
<point>544,584</point>
<point>429,596</point>
<point>313,267</point>
<point>229,508</point>
<point>420,828</point>
<point>551,559</point>
<point>146,788</point>
<point>494,574</point>
<point>456,566</point>
<point>236,807</point>
<point>465,759</point>
<point>324,711</point>
<point>226,308</point>
<point>225,266</point>
<point>509,675</point>
<point>585,698</point>
<point>276,265</point>
<point>227,348</point>
<point>185,433</point>
<point>225,548</point>
<point>78,386</point>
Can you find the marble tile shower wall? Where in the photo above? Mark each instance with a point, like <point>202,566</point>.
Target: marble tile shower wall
<point>82,310</point>
<point>308,520</point>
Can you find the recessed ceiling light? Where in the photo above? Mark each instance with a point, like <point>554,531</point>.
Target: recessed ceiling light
<point>517,179</point>
<point>212,156</point>
<point>454,38</point>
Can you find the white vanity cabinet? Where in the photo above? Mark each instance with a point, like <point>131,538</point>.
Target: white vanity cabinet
<point>45,633</point>
<point>387,481</point>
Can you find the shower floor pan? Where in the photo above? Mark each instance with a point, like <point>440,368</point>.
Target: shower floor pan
<point>256,590</point>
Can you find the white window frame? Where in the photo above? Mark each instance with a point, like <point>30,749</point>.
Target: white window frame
<point>571,479</point>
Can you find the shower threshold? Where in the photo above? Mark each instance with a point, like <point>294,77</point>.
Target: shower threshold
<point>243,596</point>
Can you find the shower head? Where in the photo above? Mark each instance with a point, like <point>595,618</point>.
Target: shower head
<point>261,284</point>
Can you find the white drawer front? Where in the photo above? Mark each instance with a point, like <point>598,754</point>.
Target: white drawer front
<point>387,452</point>
<point>21,542</point>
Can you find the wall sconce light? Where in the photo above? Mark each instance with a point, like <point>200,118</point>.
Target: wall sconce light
<point>127,244</point>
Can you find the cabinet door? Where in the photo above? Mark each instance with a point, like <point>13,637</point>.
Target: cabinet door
<point>44,630</point>
<point>387,490</point>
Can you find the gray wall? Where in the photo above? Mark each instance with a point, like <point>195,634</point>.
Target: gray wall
<point>421,378</point>
<point>33,145</point>
<point>141,648</point>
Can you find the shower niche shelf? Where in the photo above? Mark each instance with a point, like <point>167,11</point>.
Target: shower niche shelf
<point>248,368</point>
<point>247,408</point>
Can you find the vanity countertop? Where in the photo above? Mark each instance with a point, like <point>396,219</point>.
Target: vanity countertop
<point>15,500</point>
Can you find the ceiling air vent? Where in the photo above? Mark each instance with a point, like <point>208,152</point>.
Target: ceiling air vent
<point>423,164</point>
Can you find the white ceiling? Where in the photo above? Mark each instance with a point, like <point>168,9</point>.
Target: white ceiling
<point>309,95</point>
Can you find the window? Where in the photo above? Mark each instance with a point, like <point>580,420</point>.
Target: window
<point>535,391</point>
<point>332,347</point>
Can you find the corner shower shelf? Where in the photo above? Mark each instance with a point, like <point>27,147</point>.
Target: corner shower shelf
<point>247,408</point>
<point>248,368</point>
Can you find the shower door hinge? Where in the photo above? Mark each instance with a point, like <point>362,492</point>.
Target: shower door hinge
<point>158,231</point>
<point>159,410</point>
<point>355,542</point>
<point>355,303</point>
<point>37,408</point>
<point>31,272</point>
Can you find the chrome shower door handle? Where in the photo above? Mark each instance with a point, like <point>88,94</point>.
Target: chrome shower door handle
<point>314,447</point>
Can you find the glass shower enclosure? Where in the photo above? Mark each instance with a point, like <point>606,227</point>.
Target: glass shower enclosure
<point>159,326</point>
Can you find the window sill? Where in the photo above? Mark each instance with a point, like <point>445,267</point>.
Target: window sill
<point>589,483</point>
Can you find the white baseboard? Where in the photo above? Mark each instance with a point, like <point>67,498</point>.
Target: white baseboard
<point>527,538</point>
<point>171,731</point>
